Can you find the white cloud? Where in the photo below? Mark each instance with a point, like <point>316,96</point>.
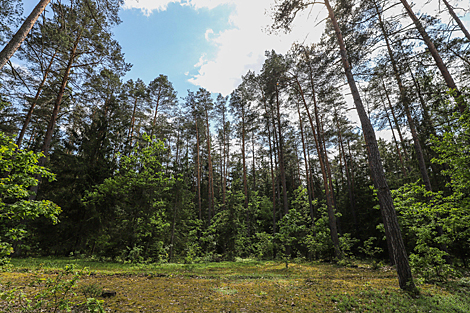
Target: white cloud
<point>148,6</point>
<point>208,32</point>
<point>243,47</point>
<point>202,61</point>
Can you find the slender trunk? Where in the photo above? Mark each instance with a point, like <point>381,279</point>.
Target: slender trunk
<point>21,34</point>
<point>209,160</point>
<point>281,156</point>
<point>457,19</point>
<point>198,170</point>
<point>403,168</point>
<point>131,130</point>
<point>224,163</point>
<point>319,147</point>
<point>271,151</point>
<point>395,120</point>
<point>348,178</point>
<point>437,58</point>
<point>276,159</point>
<point>311,174</point>
<point>330,179</point>
<point>172,236</point>
<point>156,111</point>
<point>307,176</point>
<point>55,112</point>
<point>392,228</point>
<point>254,158</point>
<point>245,181</point>
<point>426,117</point>
<point>34,102</point>
<point>406,104</point>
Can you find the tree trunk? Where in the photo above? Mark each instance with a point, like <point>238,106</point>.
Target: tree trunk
<point>21,34</point>
<point>406,104</point>
<point>348,178</point>
<point>437,58</point>
<point>395,120</point>
<point>131,130</point>
<point>319,147</point>
<point>209,160</point>
<point>156,111</point>
<point>198,170</point>
<point>307,176</point>
<point>392,229</point>
<point>403,168</point>
<point>281,156</point>
<point>224,163</point>
<point>34,102</point>
<point>55,112</point>
<point>271,151</point>
<point>457,19</point>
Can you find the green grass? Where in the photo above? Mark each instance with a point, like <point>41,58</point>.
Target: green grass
<point>244,286</point>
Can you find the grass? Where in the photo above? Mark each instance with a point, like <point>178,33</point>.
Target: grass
<point>248,286</point>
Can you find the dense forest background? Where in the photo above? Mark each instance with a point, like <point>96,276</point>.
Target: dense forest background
<point>274,170</point>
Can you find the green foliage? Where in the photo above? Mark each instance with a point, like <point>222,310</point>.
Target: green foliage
<point>319,242</point>
<point>52,294</point>
<point>263,245</point>
<point>290,228</point>
<point>18,169</point>
<point>346,244</point>
<point>422,214</point>
<point>134,204</point>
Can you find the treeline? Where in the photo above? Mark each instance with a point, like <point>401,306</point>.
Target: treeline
<point>275,170</point>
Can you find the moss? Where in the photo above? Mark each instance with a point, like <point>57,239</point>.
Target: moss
<point>254,287</point>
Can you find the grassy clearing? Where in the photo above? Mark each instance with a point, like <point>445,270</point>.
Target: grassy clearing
<point>248,286</point>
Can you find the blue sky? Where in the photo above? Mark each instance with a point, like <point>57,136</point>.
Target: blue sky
<point>170,42</point>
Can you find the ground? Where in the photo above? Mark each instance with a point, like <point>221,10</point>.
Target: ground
<point>244,286</point>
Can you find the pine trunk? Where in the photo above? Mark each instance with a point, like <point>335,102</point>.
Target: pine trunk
<point>281,156</point>
<point>209,160</point>
<point>319,147</point>
<point>21,34</point>
<point>55,112</point>
<point>457,19</point>
<point>437,58</point>
<point>34,102</point>
<point>392,229</point>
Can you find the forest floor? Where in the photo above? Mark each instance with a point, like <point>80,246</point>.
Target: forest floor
<point>244,286</point>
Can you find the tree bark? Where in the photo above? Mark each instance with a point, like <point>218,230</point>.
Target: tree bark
<point>21,34</point>
<point>307,176</point>
<point>457,19</point>
<point>403,168</point>
<point>34,102</point>
<point>406,104</point>
<point>209,160</point>
<point>198,170</point>
<point>156,111</point>
<point>348,179</point>
<point>437,58</point>
<point>55,112</point>
<point>271,151</point>
<point>281,155</point>
<point>319,147</point>
<point>392,228</point>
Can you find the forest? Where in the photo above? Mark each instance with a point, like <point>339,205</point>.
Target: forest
<point>96,166</point>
